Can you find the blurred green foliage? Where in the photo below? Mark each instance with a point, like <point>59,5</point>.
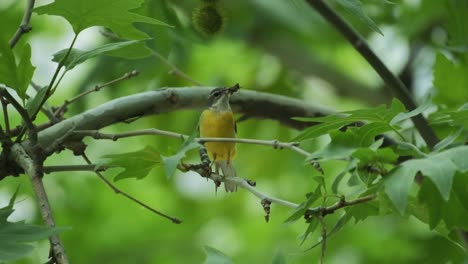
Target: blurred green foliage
<point>279,47</point>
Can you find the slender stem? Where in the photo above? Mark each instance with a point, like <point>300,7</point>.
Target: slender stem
<point>89,167</point>
<point>24,27</point>
<point>24,114</point>
<point>323,211</point>
<point>133,199</point>
<point>294,146</point>
<point>33,170</point>
<point>97,88</point>
<point>5,115</point>
<point>175,70</point>
<point>16,131</point>
<point>52,81</point>
<point>397,87</point>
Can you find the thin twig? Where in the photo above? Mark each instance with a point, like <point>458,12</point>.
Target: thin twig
<point>24,27</point>
<point>118,191</point>
<point>23,113</point>
<point>16,131</point>
<point>5,115</point>
<point>294,146</point>
<point>324,239</point>
<point>397,87</point>
<point>45,108</point>
<point>52,81</point>
<point>175,70</point>
<point>32,169</point>
<point>61,110</point>
<point>323,211</point>
<point>89,167</point>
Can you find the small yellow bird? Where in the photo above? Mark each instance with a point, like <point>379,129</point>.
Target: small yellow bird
<point>218,121</point>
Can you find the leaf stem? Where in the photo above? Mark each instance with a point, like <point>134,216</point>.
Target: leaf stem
<point>52,81</point>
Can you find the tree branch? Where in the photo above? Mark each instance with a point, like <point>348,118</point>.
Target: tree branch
<point>24,114</point>
<point>322,211</point>
<point>397,87</point>
<point>33,170</point>
<point>256,104</point>
<point>24,27</point>
<point>294,146</point>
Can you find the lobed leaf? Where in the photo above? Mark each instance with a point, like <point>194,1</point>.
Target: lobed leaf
<point>439,167</point>
<point>136,164</point>
<point>112,14</point>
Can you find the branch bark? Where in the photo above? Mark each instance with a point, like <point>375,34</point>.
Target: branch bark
<point>24,27</point>
<point>254,104</point>
<point>32,169</point>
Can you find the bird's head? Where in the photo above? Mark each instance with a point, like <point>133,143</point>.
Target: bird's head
<point>219,97</point>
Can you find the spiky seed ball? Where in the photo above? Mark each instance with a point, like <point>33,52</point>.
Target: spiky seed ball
<point>208,19</point>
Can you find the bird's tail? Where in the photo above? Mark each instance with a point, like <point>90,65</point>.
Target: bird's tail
<point>228,171</point>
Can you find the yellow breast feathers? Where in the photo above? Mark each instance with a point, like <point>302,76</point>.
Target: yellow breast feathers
<point>218,124</point>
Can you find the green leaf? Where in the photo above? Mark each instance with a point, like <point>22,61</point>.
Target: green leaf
<point>34,103</point>
<point>452,211</point>
<point>15,76</point>
<point>25,72</point>
<point>355,8</point>
<point>214,256</point>
<point>457,25</point>
<point>314,222</point>
<point>111,14</point>
<point>13,236</point>
<point>362,211</point>
<point>77,56</point>
<point>351,165</point>
<point>403,116</point>
<point>397,186</point>
<point>448,140</point>
<point>302,208</point>
<point>457,118</point>
<point>381,115</point>
<point>439,167</point>
<point>344,144</point>
<point>342,221</point>
<point>451,82</point>
<point>171,162</point>
<point>136,164</point>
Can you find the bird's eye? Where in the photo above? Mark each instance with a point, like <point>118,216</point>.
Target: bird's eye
<point>216,94</point>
